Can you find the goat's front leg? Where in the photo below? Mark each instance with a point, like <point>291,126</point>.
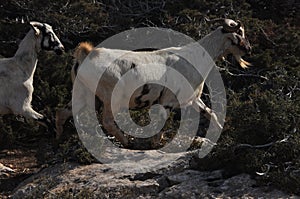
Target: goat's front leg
<point>209,114</point>
<point>110,126</point>
<point>20,102</point>
<point>28,112</point>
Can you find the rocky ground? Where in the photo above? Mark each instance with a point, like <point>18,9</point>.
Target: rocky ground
<point>152,176</point>
<point>141,179</point>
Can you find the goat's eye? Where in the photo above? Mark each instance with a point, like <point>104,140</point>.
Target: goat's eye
<point>240,32</point>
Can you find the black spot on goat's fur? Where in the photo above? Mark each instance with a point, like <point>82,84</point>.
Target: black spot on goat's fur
<point>138,100</point>
<point>146,89</point>
<point>145,104</point>
<point>141,104</point>
<point>76,66</point>
<point>133,65</point>
<point>145,49</point>
<point>157,101</point>
<point>168,107</point>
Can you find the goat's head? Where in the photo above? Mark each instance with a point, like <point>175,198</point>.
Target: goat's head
<point>234,39</point>
<point>48,39</point>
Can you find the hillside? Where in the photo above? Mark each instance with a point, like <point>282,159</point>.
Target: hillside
<point>261,136</point>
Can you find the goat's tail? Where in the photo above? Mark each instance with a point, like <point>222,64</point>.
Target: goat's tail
<point>83,49</point>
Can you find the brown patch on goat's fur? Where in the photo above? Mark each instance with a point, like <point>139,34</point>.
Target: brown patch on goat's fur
<point>83,49</point>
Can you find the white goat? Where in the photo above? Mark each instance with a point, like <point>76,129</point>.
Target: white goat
<point>16,73</point>
<point>228,39</point>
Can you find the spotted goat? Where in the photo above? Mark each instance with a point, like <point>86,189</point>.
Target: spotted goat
<point>229,38</point>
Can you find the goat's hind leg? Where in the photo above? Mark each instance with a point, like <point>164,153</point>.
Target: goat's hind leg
<point>110,126</point>
<point>61,116</point>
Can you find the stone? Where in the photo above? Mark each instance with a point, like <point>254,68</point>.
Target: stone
<point>143,179</point>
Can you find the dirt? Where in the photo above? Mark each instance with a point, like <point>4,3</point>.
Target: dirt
<point>25,160</point>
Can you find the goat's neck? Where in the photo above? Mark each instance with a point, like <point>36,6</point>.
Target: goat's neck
<point>212,43</point>
<point>26,55</point>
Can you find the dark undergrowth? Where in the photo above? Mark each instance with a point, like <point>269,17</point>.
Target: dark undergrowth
<point>261,134</point>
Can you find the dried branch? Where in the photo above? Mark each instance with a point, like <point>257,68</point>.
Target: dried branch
<point>8,42</point>
<point>240,74</point>
<point>267,37</point>
<point>292,90</point>
<point>263,145</point>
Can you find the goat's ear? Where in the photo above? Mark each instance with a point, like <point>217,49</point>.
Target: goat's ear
<point>36,26</point>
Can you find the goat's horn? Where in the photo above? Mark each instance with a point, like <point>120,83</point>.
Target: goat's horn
<point>231,26</point>
<point>218,20</point>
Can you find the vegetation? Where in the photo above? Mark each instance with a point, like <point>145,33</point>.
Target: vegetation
<point>262,129</point>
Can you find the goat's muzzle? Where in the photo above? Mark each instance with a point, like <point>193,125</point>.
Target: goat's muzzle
<point>245,45</point>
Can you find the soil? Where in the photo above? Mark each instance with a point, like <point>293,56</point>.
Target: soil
<point>25,160</point>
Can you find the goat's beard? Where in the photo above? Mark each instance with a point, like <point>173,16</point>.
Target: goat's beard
<point>244,64</point>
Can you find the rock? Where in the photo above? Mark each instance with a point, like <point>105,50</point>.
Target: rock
<point>143,178</point>
<point>192,174</point>
<point>241,186</point>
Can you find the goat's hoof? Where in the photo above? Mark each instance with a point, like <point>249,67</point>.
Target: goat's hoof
<point>38,117</point>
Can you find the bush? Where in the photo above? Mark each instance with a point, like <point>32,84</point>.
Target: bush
<point>263,101</point>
